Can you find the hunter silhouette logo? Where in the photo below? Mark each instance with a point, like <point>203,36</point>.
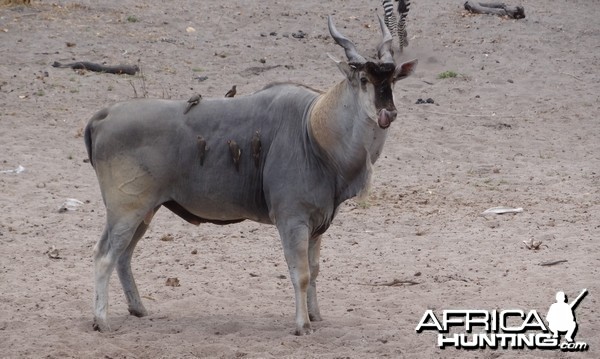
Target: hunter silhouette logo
<point>510,328</point>
<point>561,317</point>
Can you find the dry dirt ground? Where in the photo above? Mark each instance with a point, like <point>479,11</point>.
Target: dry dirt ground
<point>517,127</point>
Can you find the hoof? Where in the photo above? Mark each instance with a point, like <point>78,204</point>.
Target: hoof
<point>138,312</point>
<point>305,330</point>
<point>101,326</point>
<point>315,317</point>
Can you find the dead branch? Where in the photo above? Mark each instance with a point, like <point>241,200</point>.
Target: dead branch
<point>15,2</point>
<point>496,8</point>
<point>90,66</point>
<point>393,283</point>
<point>551,263</point>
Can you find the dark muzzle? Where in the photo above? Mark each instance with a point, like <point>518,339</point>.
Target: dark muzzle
<point>385,117</point>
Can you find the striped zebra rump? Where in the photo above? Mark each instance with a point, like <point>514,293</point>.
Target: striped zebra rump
<point>389,16</point>
<point>403,7</point>
<point>397,26</point>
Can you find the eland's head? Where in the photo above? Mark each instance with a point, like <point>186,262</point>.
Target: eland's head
<point>372,80</point>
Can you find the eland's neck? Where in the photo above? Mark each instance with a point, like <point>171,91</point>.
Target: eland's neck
<point>343,131</point>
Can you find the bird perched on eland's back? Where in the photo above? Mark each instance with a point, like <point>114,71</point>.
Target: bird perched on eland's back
<point>231,92</point>
<point>236,153</point>
<point>193,101</point>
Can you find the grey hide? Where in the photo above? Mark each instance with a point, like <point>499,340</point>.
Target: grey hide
<point>316,151</point>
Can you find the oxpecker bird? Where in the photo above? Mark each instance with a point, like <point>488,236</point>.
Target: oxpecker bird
<point>236,153</point>
<point>256,147</point>
<point>231,92</point>
<point>194,100</point>
<point>201,142</point>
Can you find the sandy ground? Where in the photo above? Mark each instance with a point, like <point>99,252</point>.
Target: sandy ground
<point>517,127</point>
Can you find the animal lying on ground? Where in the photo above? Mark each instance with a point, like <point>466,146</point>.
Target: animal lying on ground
<point>315,151</point>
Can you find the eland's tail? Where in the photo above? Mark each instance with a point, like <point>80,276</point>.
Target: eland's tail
<point>87,137</point>
<point>87,134</point>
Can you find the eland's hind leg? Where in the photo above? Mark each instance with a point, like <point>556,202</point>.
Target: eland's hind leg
<point>131,194</point>
<point>115,241</point>
<point>102,270</point>
<point>134,301</point>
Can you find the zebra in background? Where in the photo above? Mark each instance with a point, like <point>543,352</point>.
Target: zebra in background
<point>397,27</point>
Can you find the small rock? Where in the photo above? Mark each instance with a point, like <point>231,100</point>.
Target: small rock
<point>273,33</point>
<point>533,244</point>
<point>167,237</point>
<point>195,251</point>
<point>299,35</point>
<point>70,204</point>
<point>429,100</point>
<point>53,253</point>
<point>172,282</point>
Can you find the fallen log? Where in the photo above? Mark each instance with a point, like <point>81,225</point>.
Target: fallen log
<point>495,8</point>
<point>90,66</point>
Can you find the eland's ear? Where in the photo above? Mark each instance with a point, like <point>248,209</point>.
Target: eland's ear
<point>405,70</point>
<point>333,58</point>
<point>346,69</point>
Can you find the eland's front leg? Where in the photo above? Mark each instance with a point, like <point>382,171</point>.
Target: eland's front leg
<point>314,250</point>
<point>295,248</point>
